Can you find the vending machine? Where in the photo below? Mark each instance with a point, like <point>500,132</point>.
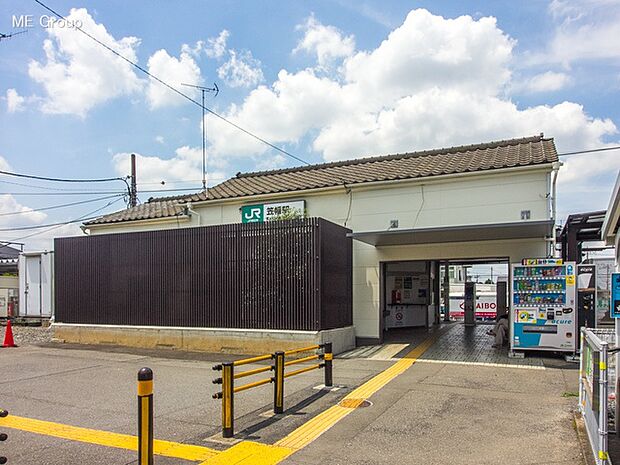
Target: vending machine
<point>544,306</point>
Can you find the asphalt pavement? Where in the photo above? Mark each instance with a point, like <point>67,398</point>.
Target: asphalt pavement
<point>434,412</point>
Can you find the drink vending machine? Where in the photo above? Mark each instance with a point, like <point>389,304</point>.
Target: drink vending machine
<point>544,306</point>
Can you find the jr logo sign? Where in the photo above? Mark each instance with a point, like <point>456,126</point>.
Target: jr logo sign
<point>252,214</point>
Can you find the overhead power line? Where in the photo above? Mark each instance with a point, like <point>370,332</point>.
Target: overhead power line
<point>62,223</point>
<point>54,207</point>
<point>165,84</point>
<point>604,149</point>
<point>97,192</point>
<point>86,217</point>
<point>34,186</point>
<point>45,178</point>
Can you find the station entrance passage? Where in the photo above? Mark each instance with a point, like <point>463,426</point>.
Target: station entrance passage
<point>420,298</point>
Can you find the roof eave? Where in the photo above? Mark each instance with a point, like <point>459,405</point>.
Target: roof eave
<point>165,219</point>
<point>608,231</point>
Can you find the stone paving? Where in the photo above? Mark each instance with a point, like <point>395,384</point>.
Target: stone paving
<point>472,345</point>
<point>457,344</point>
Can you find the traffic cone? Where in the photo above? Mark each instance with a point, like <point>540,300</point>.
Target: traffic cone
<point>8,335</point>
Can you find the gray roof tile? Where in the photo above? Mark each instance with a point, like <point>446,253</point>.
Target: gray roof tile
<point>526,151</point>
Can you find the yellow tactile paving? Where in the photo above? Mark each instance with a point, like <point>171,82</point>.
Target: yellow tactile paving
<point>244,453</point>
<point>311,430</point>
<point>106,438</point>
<point>250,453</point>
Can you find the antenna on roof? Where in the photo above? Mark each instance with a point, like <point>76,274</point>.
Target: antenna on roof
<point>216,90</point>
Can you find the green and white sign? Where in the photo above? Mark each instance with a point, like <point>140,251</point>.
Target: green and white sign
<point>272,211</point>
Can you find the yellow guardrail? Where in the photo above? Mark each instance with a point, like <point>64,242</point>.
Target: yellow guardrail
<point>227,380</point>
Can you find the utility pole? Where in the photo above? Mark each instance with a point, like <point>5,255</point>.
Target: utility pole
<point>204,129</point>
<point>133,191</point>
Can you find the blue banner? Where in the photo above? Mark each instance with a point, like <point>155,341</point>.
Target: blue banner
<point>614,307</point>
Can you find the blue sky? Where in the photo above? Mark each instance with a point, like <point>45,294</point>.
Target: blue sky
<point>393,76</point>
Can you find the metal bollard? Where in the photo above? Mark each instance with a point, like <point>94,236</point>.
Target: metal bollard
<point>227,400</point>
<point>145,416</point>
<point>328,357</point>
<point>3,436</point>
<point>278,388</point>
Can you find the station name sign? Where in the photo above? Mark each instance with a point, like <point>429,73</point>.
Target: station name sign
<point>272,211</point>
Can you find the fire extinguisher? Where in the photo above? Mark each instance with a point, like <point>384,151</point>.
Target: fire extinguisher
<point>396,296</point>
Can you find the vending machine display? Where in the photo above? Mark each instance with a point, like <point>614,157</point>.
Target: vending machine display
<point>544,307</point>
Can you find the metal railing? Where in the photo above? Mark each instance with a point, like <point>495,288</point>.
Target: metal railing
<point>227,380</point>
<point>594,388</point>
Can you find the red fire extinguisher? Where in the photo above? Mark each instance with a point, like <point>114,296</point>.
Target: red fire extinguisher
<point>396,296</point>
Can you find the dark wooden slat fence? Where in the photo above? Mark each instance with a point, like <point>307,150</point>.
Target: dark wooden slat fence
<point>293,274</point>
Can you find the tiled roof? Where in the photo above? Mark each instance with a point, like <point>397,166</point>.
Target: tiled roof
<point>146,211</point>
<point>511,153</point>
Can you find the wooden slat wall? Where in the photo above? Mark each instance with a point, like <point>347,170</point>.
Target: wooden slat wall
<point>292,274</point>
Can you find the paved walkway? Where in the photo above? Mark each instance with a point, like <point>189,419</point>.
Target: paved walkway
<point>461,344</point>
<point>411,409</point>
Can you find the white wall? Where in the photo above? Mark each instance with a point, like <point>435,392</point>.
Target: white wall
<point>482,198</point>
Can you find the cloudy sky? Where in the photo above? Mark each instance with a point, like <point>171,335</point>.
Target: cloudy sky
<point>325,80</point>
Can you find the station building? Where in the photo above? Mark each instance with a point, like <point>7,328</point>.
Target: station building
<point>406,214</point>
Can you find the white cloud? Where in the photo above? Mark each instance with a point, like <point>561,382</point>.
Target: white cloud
<point>78,73</point>
<point>8,204</point>
<point>45,240</point>
<point>326,42</point>
<point>294,105</point>
<point>428,51</point>
<point>25,217</point>
<point>548,81</point>
<point>184,170</point>
<point>14,101</point>
<point>584,30</point>
<point>241,70</point>
<point>432,82</point>
<point>216,46</point>
<point>174,71</point>
<point>579,170</point>
<point>195,50</point>
<point>160,139</point>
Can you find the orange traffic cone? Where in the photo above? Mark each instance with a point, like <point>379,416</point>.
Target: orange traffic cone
<point>8,335</point>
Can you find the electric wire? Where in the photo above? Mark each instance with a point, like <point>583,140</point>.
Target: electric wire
<point>96,192</point>
<point>85,217</point>
<point>53,207</point>
<point>45,178</point>
<point>603,149</point>
<point>34,186</point>
<point>165,84</point>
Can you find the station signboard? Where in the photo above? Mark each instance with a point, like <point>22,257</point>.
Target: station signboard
<point>262,213</point>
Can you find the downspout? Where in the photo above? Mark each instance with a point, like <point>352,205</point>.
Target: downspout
<point>555,168</point>
<point>188,206</point>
